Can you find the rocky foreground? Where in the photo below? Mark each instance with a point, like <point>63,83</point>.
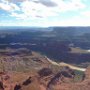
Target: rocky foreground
<point>45,79</point>
<point>22,69</point>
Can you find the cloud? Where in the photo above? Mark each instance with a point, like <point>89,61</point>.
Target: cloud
<point>74,21</point>
<point>68,5</point>
<point>34,10</point>
<point>18,16</point>
<point>14,6</point>
<point>5,7</point>
<point>43,10</point>
<point>47,3</point>
<point>9,6</point>
<point>86,14</point>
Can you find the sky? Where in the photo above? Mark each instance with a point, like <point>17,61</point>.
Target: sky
<point>44,13</point>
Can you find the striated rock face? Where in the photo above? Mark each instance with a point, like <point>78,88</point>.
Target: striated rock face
<point>83,85</point>
<point>19,67</point>
<point>19,81</point>
<point>63,80</point>
<point>49,80</point>
<point>65,75</point>
<point>45,72</point>
<point>32,71</point>
<point>87,74</point>
<point>1,86</point>
<point>44,79</point>
<point>21,60</point>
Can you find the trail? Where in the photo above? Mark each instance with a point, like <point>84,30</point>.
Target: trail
<point>65,64</point>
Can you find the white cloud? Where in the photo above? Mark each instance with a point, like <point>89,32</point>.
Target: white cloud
<point>74,21</point>
<point>33,10</point>
<point>14,6</point>
<point>5,7</point>
<point>41,8</point>
<point>71,5</point>
<point>19,16</point>
<point>9,6</point>
<point>86,14</point>
<point>37,9</point>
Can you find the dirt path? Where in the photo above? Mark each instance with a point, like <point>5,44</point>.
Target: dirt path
<point>65,64</point>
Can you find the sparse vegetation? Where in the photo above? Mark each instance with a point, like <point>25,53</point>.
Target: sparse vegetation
<point>79,76</point>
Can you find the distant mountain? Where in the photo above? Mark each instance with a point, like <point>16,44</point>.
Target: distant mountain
<point>72,30</point>
<point>58,43</point>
